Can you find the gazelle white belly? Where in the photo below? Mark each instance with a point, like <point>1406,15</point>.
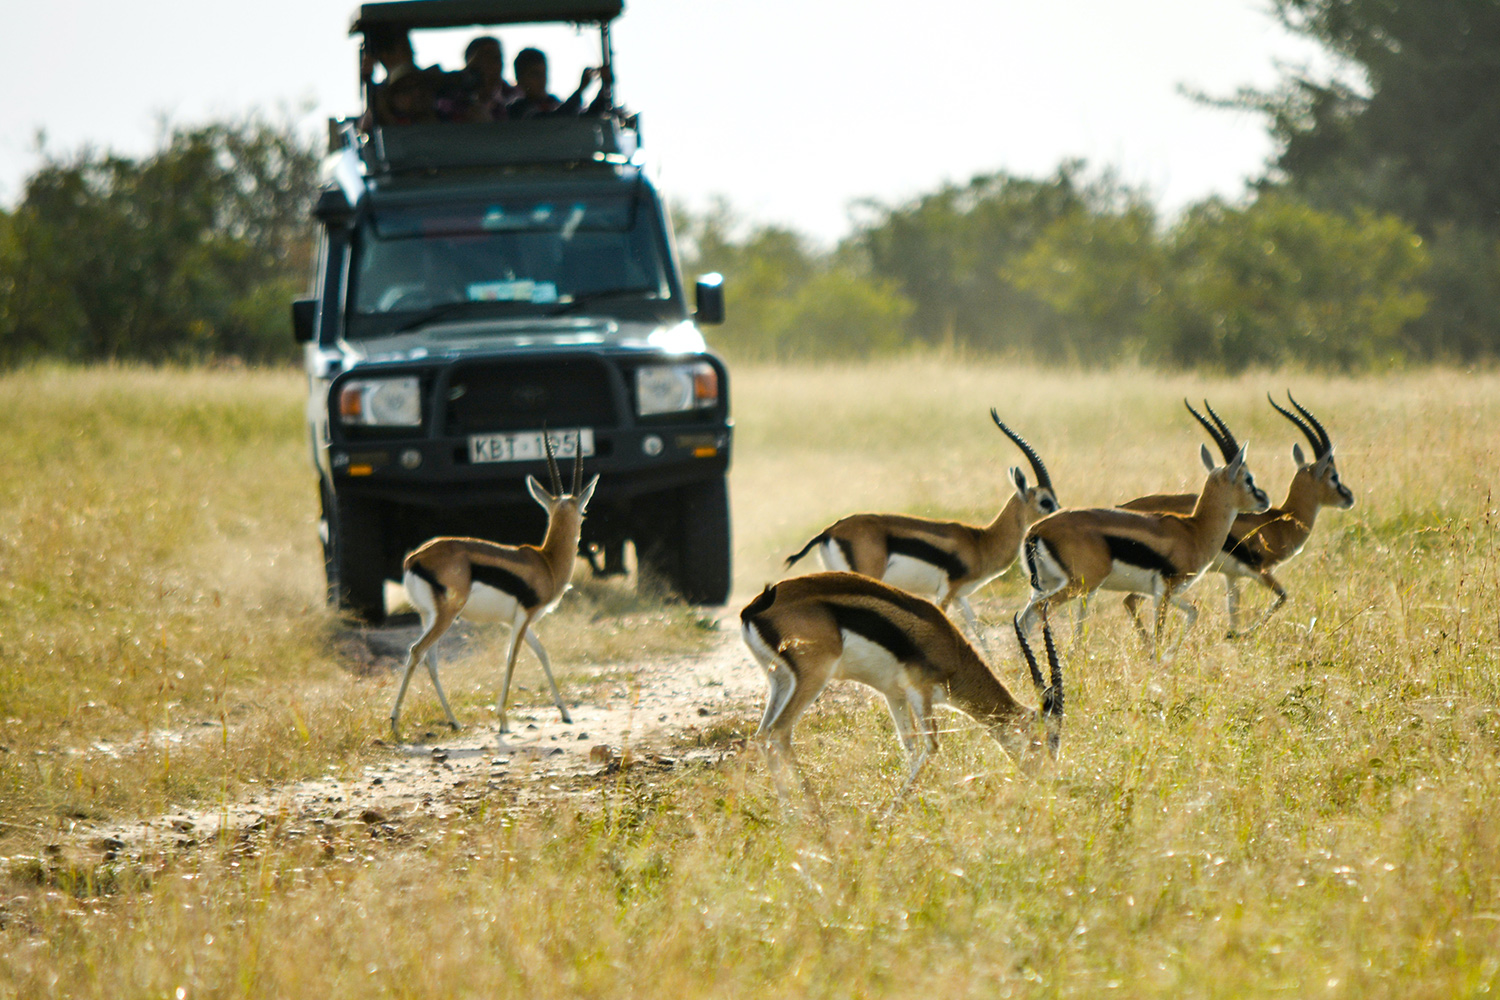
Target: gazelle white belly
<point>869,663</point>
<point>915,576</point>
<point>1124,576</point>
<point>489,604</point>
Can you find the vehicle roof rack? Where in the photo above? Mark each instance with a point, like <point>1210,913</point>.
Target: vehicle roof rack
<point>404,149</point>
<point>416,14</point>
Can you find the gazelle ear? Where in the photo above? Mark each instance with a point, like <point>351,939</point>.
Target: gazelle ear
<point>1207,456</point>
<point>1297,456</point>
<point>1239,460</point>
<point>587,494</point>
<point>539,492</point>
<point>1019,478</point>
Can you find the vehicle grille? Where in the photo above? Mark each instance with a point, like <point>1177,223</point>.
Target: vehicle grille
<point>516,396</point>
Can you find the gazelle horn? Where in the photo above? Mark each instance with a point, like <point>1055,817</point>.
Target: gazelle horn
<point>1042,479</point>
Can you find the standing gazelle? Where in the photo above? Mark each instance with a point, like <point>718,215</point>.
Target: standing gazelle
<point>1074,553</point>
<point>487,582</point>
<point>1257,543</point>
<point>943,560</point>
<point>809,630</point>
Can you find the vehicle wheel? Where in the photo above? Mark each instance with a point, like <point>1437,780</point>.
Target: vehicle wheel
<point>684,544</point>
<point>355,558</point>
<point>704,577</point>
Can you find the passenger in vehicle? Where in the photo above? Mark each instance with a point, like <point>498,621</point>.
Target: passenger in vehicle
<point>484,64</point>
<point>408,95</point>
<point>535,102</point>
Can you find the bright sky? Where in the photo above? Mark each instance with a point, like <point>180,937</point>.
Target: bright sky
<point>791,109</point>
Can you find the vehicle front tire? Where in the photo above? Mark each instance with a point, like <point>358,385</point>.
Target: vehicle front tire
<point>686,544</point>
<point>354,557</point>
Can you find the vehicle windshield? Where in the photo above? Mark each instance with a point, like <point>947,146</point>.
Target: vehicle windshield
<point>518,256</point>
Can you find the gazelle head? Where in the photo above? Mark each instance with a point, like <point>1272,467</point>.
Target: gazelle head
<point>1322,471</point>
<point>1026,745</point>
<point>1235,475</point>
<point>1037,501</point>
<point>556,502</point>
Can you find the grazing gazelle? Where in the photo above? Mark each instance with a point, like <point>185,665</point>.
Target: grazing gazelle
<point>1258,543</point>
<point>1074,553</point>
<point>488,582</point>
<point>942,560</point>
<point>809,630</point>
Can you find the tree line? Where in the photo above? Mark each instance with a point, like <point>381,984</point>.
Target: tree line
<point>1372,240</point>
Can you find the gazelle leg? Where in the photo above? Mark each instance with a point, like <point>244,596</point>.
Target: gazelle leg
<point>435,622</point>
<point>775,732</point>
<point>920,705</point>
<point>1277,589</point>
<point>432,671</point>
<point>1232,604</point>
<point>518,628</point>
<point>973,620</point>
<point>541,654</point>
<point>1190,610</point>
<point>1133,604</point>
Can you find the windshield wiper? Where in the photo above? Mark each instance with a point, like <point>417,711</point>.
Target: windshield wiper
<point>438,312</point>
<point>584,298</point>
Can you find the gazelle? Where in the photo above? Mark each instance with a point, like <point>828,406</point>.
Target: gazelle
<point>486,582</point>
<point>809,630</point>
<point>943,560</point>
<point>1257,543</point>
<point>1074,553</point>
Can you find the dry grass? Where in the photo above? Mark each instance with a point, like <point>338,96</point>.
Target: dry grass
<point>1308,812</point>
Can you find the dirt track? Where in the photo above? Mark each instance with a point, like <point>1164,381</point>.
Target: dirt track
<point>651,715</point>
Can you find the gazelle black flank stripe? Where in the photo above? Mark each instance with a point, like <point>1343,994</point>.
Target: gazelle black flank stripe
<point>1128,550</point>
<point>877,628</point>
<point>428,577</point>
<point>904,545</point>
<point>506,581</point>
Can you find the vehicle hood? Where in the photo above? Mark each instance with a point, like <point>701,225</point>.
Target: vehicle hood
<point>483,336</point>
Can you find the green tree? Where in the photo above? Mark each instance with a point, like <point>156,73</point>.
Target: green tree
<point>176,256</point>
<point>786,299</point>
<point>1409,125</point>
<point>1280,282</point>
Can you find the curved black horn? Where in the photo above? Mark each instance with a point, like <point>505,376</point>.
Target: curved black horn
<point>1233,446</point>
<point>1327,441</point>
<point>1213,432</point>
<point>578,463</point>
<point>551,462</point>
<point>1042,479</point>
<point>1302,425</point>
<point>1037,680</point>
<point>1054,705</point>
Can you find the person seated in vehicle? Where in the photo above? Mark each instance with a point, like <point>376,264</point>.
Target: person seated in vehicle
<point>484,68</point>
<point>407,95</point>
<point>535,102</point>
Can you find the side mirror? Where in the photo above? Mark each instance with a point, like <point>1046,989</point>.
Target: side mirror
<point>710,294</point>
<point>304,316</point>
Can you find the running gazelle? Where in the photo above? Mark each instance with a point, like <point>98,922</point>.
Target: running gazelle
<point>810,630</point>
<point>1258,543</point>
<point>1074,553</point>
<point>487,582</point>
<point>943,560</point>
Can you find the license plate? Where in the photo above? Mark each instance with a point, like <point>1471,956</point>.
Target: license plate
<point>526,446</point>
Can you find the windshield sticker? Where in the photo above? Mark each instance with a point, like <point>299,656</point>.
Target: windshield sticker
<point>513,291</point>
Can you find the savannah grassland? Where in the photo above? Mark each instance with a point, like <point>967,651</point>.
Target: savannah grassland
<point>1311,811</point>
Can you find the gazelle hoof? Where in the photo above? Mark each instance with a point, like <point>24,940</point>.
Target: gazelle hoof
<point>567,719</point>
<point>455,726</point>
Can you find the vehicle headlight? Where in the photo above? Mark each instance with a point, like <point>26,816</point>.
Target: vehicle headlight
<point>383,402</point>
<point>675,388</point>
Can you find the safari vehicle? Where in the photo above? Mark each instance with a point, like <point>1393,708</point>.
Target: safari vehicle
<point>480,284</point>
